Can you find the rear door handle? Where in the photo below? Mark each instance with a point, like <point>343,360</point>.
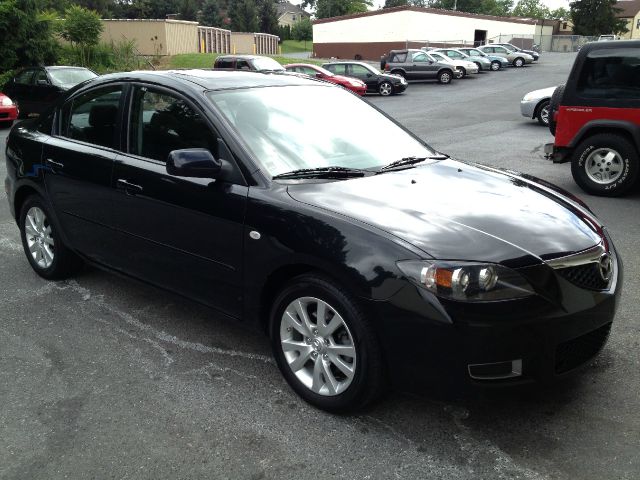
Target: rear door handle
<point>129,187</point>
<point>53,163</point>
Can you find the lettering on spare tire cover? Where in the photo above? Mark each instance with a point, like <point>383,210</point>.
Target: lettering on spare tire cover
<point>626,162</point>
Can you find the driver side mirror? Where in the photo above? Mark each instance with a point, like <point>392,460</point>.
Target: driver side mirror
<point>42,83</point>
<point>194,162</point>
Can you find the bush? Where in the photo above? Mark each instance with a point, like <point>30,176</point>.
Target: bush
<point>82,28</point>
<point>5,77</point>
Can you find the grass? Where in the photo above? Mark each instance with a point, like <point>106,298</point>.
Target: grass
<point>205,60</point>
<point>296,46</point>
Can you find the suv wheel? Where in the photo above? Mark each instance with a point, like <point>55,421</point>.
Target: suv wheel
<point>518,62</point>
<point>495,65</point>
<point>543,113</point>
<point>324,347</point>
<point>554,104</point>
<point>445,76</point>
<point>605,164</point>
<point>42,244</point>
<point>385,89</point>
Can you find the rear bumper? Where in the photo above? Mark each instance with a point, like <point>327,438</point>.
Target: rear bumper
<point>556,154</point>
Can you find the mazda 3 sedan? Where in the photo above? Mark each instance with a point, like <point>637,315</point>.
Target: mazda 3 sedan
<point>368,257</point>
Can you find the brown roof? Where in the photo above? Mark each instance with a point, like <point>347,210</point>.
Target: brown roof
<point>436,11</point>
<point>629,8</point>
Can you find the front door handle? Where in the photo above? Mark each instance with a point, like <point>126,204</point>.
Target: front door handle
<point>53,163</point>
<point>129,187</point>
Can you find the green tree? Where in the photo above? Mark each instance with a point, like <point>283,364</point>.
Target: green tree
<point>81,28</point>
<point>596,17</point>
<point>243,15</point>
<point>560,14</point>
<point>267,16</point>
<point>27,35</point>
<point>485,7</point>
<point>210,14</point>
<point>531,9</point>
<point>188,10</point>
<point>335,8</point>
<point>395,3</point>
<point>302,30</point>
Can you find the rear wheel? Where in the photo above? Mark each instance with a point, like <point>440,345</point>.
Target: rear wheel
<point>554,104</point>
<point>324,347</point>
<point>495,65</point>
<point>45,251</point>
<point>385,89</point>
<point>445,76</point>
<point>518,62</point>
<point>543,113</point>
<point>605,164</point>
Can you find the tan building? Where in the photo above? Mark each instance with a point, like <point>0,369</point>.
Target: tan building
<point>630,12</point>
<point>154,37</point>
<point>288,13</point>
<point>254,43</point>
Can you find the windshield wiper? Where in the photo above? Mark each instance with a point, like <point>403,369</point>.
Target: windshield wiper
<point>323,172</point>
<point>408,161</point>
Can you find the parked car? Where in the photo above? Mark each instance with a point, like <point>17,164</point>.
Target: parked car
<point>254,63</point>
<point>535,54</point>
<point>483,63</point>
<point>35,89</point>
<point>353,84</point>
<point>376,81</point>
<point>414,64</point>
<point>517,59</point>
<point>464,66</point>
<point>596,118</point>
<point>290,204</point>
<point>608,38</point>
<point>496,62</point>
<point>8,111</point>
<point>536,105</point>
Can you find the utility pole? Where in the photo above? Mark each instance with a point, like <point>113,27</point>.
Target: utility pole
<point>455,5</point>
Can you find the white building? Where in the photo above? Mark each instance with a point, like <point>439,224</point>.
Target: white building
<point>370,35</point>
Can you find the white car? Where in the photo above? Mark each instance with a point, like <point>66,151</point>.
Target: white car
<point>466,67</point>
<point>536,105</point>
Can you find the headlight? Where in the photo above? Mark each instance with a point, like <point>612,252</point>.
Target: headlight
<point>6,102</point>
<point>356,84</point>
<point>528,97</point>
<point>466,281</point>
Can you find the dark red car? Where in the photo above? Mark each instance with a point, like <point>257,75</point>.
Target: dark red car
<point>353,84</point>
<point>595,118</point>
<point>8,110</point>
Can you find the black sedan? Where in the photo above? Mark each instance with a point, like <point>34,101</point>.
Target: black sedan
<point>35,89</point>
<point>377,82</point>
<point>365,255</point>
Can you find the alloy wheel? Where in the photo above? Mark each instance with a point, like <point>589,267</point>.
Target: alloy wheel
<point>604,166</point>
<point>318,346</point>
<point>544,114</point>
<point>518,62</point>
<point>39,239</point>
<point>495,66</point>
<point>385,89</point>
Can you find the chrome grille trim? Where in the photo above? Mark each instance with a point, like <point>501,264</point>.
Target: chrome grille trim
<point>590,255</point>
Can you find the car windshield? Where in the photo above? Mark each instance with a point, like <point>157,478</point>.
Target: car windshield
<point>294,127</point>
<point>441,58</point>
<point>477,53</point>
<point>70,77</point>
<point>265,63</point>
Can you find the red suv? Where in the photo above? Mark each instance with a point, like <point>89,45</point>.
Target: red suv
<point>595,118</point>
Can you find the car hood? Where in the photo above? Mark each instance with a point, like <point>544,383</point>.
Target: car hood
<point>542,93</point>
<point>457,211</point>
<point>388,76</point>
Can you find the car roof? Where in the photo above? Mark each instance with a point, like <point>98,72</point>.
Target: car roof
<point>302,65</point>
<point>209,79</point>
<point>347,62</point>
<point>64,67</point>
<point>612,44</point>
<point>247,57</point>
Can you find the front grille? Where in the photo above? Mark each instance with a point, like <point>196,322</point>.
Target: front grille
<point>575,352</point>
<point>585,276</point>
<point>4,114</point>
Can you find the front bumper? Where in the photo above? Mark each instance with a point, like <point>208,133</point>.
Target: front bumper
<point>528,107</point>
<point>544,342</point>
<point>8,114</point>
<point>400,87</point>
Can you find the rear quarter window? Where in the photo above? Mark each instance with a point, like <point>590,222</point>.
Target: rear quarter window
<point>610,74</point>
<point>224,63</point>
<point>398,58</point>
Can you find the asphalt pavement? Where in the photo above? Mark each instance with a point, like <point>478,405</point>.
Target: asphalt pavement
<point>102,377</point>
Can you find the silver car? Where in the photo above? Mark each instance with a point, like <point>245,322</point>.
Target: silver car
<point>517,59</point>
<point>483,63</point>
<point>464,66</point>
<point>496,62</point>
<point>536,105</point>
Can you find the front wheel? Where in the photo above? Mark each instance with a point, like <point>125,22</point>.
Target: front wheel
<point>479,65</point>
<point>495,66</point>
<point>385,89</point>
<point>518,62</point>
<point>445,77</point>
<point>605,164</point>
<point>543,113</point>
<point>45,251</point>
<point>464,72</point>
<point>324,347</point>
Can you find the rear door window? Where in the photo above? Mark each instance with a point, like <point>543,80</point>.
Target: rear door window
<point>24,77</point>
<point>399,57</point>
<point>242,65</point>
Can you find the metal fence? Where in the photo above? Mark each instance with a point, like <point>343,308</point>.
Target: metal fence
<point>544,43</point>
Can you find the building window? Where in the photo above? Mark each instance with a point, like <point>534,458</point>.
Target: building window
<point>638,24</point>
<point>564,25</point>
<point>293,17</point>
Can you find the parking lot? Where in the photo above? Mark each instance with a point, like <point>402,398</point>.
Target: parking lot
<point>102,377</point>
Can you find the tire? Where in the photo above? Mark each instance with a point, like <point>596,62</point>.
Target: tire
<point>400,73</point>
<point>605,164</point>
<point>479,65</point>
<point>542,113</point>
<point>495,66</point>
<point>385,89</point>
<point>317,379</point>
<point>518,62</point>
<point>445,77</point>
<point>6,124</point>
<point>554,104</point>
<point>46,253</point>
<point>464,72</point>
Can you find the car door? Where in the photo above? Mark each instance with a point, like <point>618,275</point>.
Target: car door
<point>362,73</point>
<point>42,93</point>
<point>183,234</point>
<point>424,66</point>
<point>78,164</point>
<point>18,90</point>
